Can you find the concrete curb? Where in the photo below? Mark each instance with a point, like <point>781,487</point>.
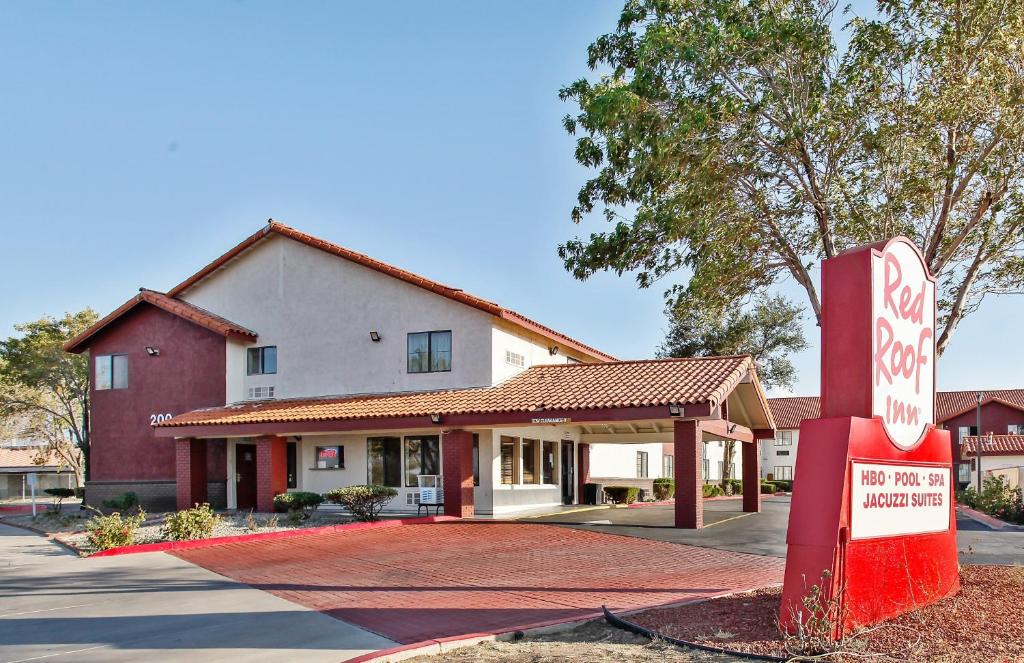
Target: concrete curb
<point>988,521</point>
<point>164,546</point>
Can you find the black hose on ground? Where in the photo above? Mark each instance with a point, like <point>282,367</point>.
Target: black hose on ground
<point>619,622</point>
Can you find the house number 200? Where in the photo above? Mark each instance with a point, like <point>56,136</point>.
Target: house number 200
<point>155,419</point>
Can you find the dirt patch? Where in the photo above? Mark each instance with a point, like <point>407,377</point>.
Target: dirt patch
<point>586,643</point>
<point>984,622</point>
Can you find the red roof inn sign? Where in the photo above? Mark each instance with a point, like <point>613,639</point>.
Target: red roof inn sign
<point>872,519</point>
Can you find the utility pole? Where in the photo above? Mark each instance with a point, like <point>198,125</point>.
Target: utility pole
<point>981,397</point>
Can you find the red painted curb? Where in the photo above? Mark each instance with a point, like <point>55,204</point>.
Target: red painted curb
<point>260,536</point>
<point>22,508</point>
<point>983,518</point>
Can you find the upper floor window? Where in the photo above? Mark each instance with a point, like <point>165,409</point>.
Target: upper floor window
<point>783,438</point>
<point>111,371</point>
<point>262,361</point>
<point>1015,429</point>
<point>514,358</point>
<point>964,431</point>
<point>430,352</point>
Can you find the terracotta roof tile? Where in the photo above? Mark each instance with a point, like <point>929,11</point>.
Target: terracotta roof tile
<point>621,384</point>
<point>178,307</point>
<point>789,412</point>
<point>1010,445</point>
<point>16,457</point>
<point>949,404</point>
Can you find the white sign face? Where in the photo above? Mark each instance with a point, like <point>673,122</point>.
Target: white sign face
<point>894,500</point>
<point>902,343</point>
<point>33,479</point>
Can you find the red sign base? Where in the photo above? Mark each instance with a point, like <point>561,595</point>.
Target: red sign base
<point>883,554</point>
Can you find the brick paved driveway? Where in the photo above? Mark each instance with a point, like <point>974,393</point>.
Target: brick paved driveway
<point>418,582</point>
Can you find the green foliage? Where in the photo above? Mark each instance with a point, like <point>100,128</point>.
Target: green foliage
<point>195,523</point>
<point>783,485</point>
<point>300,503</point>
<point>125,502</point>
<point>768,488</point>
<point>712,490</point>
<point>769,332</point>
<point>61,494</point>
<point>738,142</point>
<point>622,494</point>
<point>113,531</point>
<point>996,499</point>
<point>664,488</point>
<point>363,502</point>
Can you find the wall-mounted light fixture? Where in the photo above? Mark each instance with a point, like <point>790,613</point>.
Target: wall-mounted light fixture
<point>435,418</point>
<point>375,337</point>
<point>152,351</point>
<point>731,429</point>
<point>553,350</point>
<point>297,438</point>
<point>675,410</point>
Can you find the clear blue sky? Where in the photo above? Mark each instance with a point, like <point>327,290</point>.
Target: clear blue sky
<point>141,140</point>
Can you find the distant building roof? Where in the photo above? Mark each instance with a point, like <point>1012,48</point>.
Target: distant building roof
<point>20,458</point>
<point>1006,445</point>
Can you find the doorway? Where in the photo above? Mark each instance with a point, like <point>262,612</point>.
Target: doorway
<point>245,476</point>
<point>566,464</point>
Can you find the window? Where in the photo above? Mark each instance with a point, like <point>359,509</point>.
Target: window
<point>641,465</point>
<point>330,458</point>
<point>707,469</point>
<point>508,460</point>
<point>547,463</point>
<point>783,438</point>
<point>668,466</point>
<point>262,361</point>
<point>1015,429</point>
<point>783,472</point>
<point>111,372</point>
<point>530,461</point>
<point>430,352</point>
<point>384,461</point>
<point>782,453</point>
<point>964,431</point>
<point>261,392</point>
<point>964,472</point>
<point>422,456</point>
<point>292,464</point>
<point>476,459</point>
<point>514,358</point>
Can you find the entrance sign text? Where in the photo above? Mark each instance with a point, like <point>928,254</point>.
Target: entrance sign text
<point>891,500</point>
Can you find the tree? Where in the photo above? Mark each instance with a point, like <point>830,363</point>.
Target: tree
<point>45,390</point>
<point>736,139</point>
<point>768,332</point>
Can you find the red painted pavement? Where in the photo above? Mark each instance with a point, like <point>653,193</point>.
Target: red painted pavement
<point>420,582</point>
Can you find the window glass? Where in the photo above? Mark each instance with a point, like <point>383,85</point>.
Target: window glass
<point>476,459</point>
<point>261,361</point>
<point>330,458</point>
<point>419,352</point>
<point>103,372</point>
<point>270,359</point>
<point>530,461</point>
<point>292,464</point>
<point>547,463</point>
<point>508,460</point>
<point>783,472</point>
<point>384,461</point>
<point>667,467</point>
<point>422,456</point>
<point>641,465</point>
<point>441,351</point>
<point>119,368</point>
<point>964,474</point>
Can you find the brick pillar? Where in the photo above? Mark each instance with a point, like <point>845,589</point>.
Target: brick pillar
<point>582,470</point>
<point>689,474</point>
<point>457,467</point>
<point>752,476</point>
<point>271,471</point>
<point>190,472</point>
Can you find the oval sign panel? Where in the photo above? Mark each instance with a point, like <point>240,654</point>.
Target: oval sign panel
<point>902,342</point>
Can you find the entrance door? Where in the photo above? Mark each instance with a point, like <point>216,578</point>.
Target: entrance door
<point>568,482</point>
<point>245,476</point>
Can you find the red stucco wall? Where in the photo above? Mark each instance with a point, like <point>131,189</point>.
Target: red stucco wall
<point>189,373</point>
<point>995,417</point>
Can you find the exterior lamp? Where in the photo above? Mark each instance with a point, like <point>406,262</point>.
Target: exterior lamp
<point>553,350</point>
<point>435,418</point>
<point>152,351</point>
<point>675,410</point>
<point>375,337</point>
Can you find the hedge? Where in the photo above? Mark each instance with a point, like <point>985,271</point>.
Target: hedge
<point>622,494</point>
<point>664,488</point>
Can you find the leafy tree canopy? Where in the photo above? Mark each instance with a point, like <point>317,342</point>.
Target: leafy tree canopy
<point>736,139</point>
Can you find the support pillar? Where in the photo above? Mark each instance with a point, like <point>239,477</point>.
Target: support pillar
<point>582,472</point>
<point>457,467</point>
<point>752,476</point>
<point>271,471</point>
<point>689,464</point>
<point>190,472</point>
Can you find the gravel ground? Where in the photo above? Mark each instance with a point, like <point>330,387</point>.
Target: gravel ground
<point>984,622</point>
<point>68,527</point>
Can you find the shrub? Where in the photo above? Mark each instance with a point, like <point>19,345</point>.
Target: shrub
<point>664,488</point>
<point>61,494</point>
<point>786,486</point>
<point>300,503</point>
<point>127,502</point>
<point>113,531</point>
<point>768,488</point>
<point>80,492</point>
<point>195,523</point>
<point>996,499</point>
<point>622,494</point>
<point>737,486</point>
<point>363,502</point>
<point>711,490</point>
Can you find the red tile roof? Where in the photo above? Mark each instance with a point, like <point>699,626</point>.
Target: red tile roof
<point>178,307</point>
<point>789,412</point>
<point>23,457</point>
<point>1006,445</point>
<point>457,294</point>
<point>621,384</point>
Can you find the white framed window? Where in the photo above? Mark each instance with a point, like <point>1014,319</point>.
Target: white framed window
<point>783,472</point>
<point>642,469</point>
<point>964,472</point>
<point>668,466</point>
<point>1015,429</point>
<point>783,438</point>
<point>111,372</point>
<point>964,431</point>
<point>514,359</point>
<point>260,393</point>
<point>261,361</point>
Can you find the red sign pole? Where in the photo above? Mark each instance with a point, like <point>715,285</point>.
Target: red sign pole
<point>872,523</point>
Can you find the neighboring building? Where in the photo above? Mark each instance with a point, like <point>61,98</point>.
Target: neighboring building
<point>1001,455</point>
<point>1002,413</point>
<point>17,461</point>
<point>290,363</point>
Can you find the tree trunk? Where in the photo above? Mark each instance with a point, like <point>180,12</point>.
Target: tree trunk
<point>728,455</point>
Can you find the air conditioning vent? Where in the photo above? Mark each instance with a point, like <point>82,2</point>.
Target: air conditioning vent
<point>260,393</point>
<point>514,359</point>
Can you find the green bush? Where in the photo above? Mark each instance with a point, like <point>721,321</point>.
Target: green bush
<point>127,502</point>
<point>363,502</point>
<point>996,499</point>
<point>80,492</point>
<point>783,485</point>
<point>768,488</point>
<point>61,494</point>
<point>736,486</point>
<point>113,531</point>
<point>622,494</point>
<point>300,503</point>
<point>195,523</point>
<point>712,490</point>
<point>664,488</point>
